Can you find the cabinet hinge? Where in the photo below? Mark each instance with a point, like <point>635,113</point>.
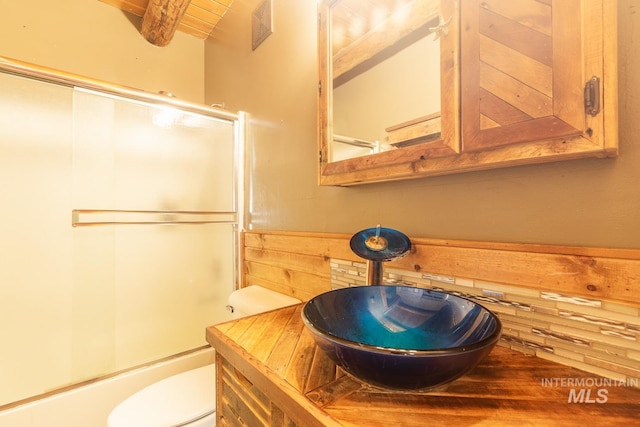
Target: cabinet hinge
<point>592,96</point>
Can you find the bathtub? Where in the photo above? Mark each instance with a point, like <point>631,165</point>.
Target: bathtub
<point>89,405</point>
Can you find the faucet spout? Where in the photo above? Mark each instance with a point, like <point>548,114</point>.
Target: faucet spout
<point>378,245</point>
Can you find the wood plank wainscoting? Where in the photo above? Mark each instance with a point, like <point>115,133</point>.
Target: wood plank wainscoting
<point>298,263</point>
<point>578,306</point>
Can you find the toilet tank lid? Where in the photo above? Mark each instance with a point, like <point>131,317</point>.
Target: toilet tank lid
<point>255,299</point>
<point>174,401</point>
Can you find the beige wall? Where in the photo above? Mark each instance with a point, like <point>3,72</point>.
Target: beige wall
<point>582,202</point>
<point>93,39</point>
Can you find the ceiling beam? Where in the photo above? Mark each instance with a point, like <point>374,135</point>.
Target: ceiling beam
<point>161,19</point>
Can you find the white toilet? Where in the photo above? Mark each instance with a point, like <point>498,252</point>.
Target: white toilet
<point>189,399</point>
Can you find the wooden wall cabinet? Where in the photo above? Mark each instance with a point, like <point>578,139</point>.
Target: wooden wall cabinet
<point>521,82</point>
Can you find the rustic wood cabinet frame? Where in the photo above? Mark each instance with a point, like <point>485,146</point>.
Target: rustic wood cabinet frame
<point>514,82</point>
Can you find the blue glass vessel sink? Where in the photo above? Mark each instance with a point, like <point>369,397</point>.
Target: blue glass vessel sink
<point>401,337</point>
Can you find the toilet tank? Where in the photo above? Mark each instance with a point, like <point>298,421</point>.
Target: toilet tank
<point>255,299</point>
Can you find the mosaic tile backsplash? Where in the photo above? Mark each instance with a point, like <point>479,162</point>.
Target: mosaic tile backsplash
<point>595,336</point>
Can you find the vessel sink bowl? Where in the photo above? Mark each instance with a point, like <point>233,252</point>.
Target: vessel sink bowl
<point>401,337</point>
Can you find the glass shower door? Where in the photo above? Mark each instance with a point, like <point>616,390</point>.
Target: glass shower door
<point>155,218</point>
<point>118,227</point>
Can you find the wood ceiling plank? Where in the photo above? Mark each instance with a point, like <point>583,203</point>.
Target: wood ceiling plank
<point>198,25</point>
<point>199,20</point>
<point>212,6</point>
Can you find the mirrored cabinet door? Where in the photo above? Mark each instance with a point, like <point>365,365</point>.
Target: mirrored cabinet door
<point>383,64</point>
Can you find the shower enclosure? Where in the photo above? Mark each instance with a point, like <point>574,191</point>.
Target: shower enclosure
<point>119,219</point>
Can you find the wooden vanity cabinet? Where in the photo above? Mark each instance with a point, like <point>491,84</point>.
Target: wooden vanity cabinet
<point>241,403</point>
<point>271,373</point>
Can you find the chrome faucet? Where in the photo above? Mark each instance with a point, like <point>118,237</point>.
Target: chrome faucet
<point>378,245</point>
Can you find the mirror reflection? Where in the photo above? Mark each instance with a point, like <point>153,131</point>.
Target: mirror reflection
<point>385,70</point>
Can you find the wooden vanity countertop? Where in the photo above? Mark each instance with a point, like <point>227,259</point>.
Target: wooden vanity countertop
<point>276,353</point>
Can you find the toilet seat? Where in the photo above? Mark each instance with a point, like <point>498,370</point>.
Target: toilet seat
<point>174,401</point>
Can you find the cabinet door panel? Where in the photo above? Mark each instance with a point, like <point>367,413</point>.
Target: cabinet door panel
<point>524,67</point>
